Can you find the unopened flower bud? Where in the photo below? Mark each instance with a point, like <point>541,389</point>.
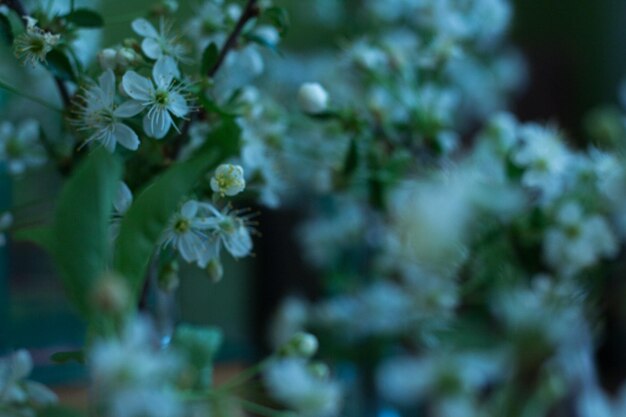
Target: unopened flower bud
<point>215,270</point>
<point>106,58</point>
<point>319,370</point>
<point>126,57</point>
<point>228,180</point>
<point>301,344</point>
<point>111,294</point>
<point>169,279</point>
<point>313,98</point>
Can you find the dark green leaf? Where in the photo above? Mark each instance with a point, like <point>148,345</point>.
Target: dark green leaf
<point>149,215</point>
<point>5,29</point>
<point>209,58</point>
<point>60,66</point>
<point>85,18</point>
<point>81,229</point>
<point>58,411</point>
<point>352,158</point>
<point>41,236</point>
<point>279,17</point>
<point>65,357</point>
<point>212,107</point>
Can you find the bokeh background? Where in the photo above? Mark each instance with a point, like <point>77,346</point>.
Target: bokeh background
<point>576,60</point>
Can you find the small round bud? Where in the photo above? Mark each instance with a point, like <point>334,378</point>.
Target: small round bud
<point>169,279</point>
<point>215,270</point>
<point>111,294</point>
<point>319,370</point>
<point>126,57</point>
<point>228,180</point>
<point>313,98</point>
<point>107,59</point>
<point>301,344</point>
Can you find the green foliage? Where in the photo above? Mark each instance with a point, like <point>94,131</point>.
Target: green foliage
<point>6,32</point>
<point>149,215</point>
<point>60,66</point>
<point>209,58</point>
<point>80,239</point>
<point>41,236</point>
<point>85,18</point>
<point>279,17</point>
<point>66,357</point>
<point>199,345</point>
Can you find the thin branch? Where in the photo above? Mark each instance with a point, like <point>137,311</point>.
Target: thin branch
<point>250,12</point>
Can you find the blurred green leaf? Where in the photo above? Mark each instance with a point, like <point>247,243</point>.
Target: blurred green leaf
<point>81,229</point>
<point>65,357</point>
<point>199,345</point>
<point>279,17</point>
<point>41,236</point>
<point>60,66</point>
<point>5,29</point>
<point>147,218</point>
<point>209,58</point>
<point>352,158</point>
<point>85,18</point>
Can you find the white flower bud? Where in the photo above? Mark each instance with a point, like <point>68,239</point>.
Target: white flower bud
<point>107,59</point>
<point>313,98</point>
<point>228,180</point>
<point>301,344</point>
<point>125,57</point>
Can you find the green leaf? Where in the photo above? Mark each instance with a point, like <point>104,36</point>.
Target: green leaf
<point>279,17</point>
<point>352,158</point>
<point>209,58</point>
<point>148,216</point>
<point>60,66</point>
<point>81,228</point>
<point>41,236</point>
<point>85,18</point>
<point>6,32</point>
<point>199,345</point>
<point>65,357</point>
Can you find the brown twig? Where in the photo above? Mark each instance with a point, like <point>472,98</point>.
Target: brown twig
<point>250,12</point>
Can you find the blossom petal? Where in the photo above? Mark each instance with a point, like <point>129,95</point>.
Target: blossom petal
<point>106,81</point>
<point>123,198</point>
<point>239,243</point>
<point>164,71</point>
<point>129,108</point>
<point>157,123</point>
<point>151,48</point>
<point>136,86</point>
<point>189,209</point>
<point>125,136</point>
<point>178,105</point>
<point>144,28</point>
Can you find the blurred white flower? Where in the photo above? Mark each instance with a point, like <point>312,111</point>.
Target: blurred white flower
<point>20,146</point>
<point>188,234</point>
<point>157,44</point>
<point>292,382</point>
<point>17,394</point>
<point>577,241</point>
